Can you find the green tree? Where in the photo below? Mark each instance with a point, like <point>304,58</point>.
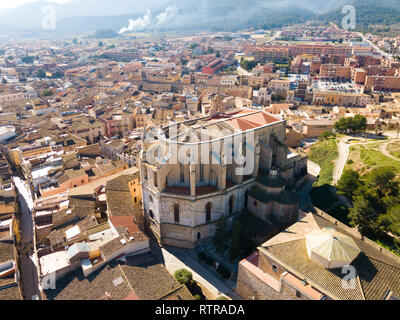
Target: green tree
<point>100,44</point>
<point>27,59</point>
<point>326,134</point>
<point>4,81</point>
<point>363,216</point>
<point>383,178</point>
<point>390,222</point>
<point>234,251</point>
<point>220,234</point>
<point>47,93</point>
<point>184,277</point>
<point>41,74</point>
<point>348,183</point>
<point>248,65</point>
<point>359,123</point>
<point>356,123</point>
<point>246,242</point>
<point>75,41</point>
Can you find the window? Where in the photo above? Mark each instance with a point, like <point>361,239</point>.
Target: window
<point>176,213</point>
<point>231,201</point>
<point>151,214</point>
<point>298,294</point>
<point>135,199</point>
<point>155,178</point>
<point>201,172</point>
<point>255,203</point>
<point>182,174</point>
<point>273,268</point>
<point>208,211</point>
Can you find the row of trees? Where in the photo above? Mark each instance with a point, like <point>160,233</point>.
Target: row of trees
<point>351,124</point>
<point>376,202</point>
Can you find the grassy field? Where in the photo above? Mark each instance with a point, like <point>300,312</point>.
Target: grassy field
<point>364,158</point>
<point>394,149</point>
<point>324,153</point>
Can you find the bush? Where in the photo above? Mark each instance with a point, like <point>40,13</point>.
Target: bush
<point>224,272</point>
<point>184,277</point>
<point>222,298</point>
<point>327,134</point>
<point>197,297</point>
<point>210,261</point>
<point>202,255</point>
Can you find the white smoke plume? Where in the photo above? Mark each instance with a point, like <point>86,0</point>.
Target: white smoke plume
<point>169,13</point>
<point>145,21</point>
<point>138,24</point>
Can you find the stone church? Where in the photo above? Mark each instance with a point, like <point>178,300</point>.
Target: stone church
<point>197,170</point>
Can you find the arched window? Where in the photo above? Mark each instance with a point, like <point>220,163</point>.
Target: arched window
<point>231,202</point>
<point>199,236</point>
<point>151,214</point>
<point>176,213</point>
<point>208,211</point>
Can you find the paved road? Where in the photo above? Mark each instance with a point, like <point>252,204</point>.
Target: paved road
<point>176,258</point>
<point>388,56</point>
<point>28,268</point>
<point>340,163</point>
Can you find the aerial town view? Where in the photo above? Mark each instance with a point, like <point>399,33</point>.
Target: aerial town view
<point>199,150</point>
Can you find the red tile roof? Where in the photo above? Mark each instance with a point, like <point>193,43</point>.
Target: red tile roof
<point>126,222</point>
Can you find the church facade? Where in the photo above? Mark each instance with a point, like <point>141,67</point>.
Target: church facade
<point>194,172</point>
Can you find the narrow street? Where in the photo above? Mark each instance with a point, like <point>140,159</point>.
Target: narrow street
<point>176,258</point>
<point>28,268</point>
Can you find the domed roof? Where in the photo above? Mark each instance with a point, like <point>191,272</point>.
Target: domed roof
<point>330,248</point>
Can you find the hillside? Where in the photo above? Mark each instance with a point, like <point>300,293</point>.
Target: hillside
<point>86,16</point>
<point>368,13</point>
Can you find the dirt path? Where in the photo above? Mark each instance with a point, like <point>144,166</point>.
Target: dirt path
<point>385,151</point>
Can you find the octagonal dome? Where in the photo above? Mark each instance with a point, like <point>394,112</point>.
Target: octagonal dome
<point>330,248</point>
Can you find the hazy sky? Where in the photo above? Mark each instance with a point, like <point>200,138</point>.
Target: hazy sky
<point>17,3</point>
